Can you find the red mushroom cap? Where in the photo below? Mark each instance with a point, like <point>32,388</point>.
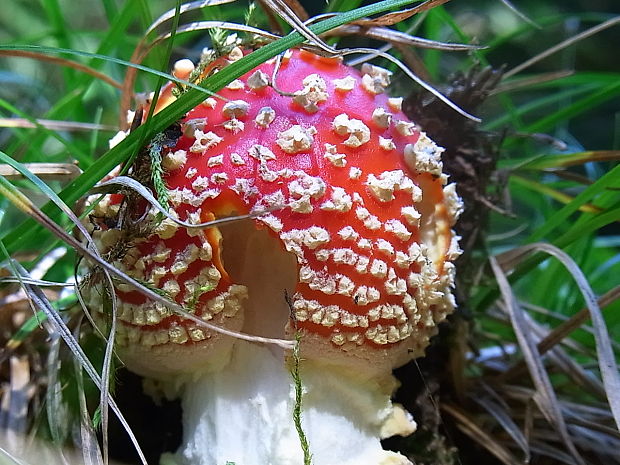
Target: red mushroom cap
<point>349,185</point>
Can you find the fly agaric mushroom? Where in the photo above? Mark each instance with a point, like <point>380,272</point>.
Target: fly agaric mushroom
<point>356,227</point>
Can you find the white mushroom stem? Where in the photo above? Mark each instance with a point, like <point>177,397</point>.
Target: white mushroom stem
<point>244,414</point>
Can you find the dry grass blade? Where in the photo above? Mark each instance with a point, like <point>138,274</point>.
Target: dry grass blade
<point>288,15</point>
<point>88,439</point>
<point>47,171</point>
<point>545,396</point>
<point>35,282</point>
<point>562,45</point>
<point>12,457</point>
<point>511,86</point>
<point>559,333</point>
<point>413,60</point>
<point>544,449</point>
<point>587,425</point>
<point>206,25</point>
<point>397,37</point>
<point>62,62</point>
<point>132,184</point>
<point>53,393</point>
<point>502,416</point>
<point>570,176</point>
<point>581,316</point>
<point>54,125</point>
<point>562,361</point>
<point>606,358</point>
<point>520,14</point>
<point>106,370</point>
<point>185,7</point>
<point>390,19</point>
<point>591,426</point>
<point>272,19</point>
<point>479,435</point>
<point>298,9</point>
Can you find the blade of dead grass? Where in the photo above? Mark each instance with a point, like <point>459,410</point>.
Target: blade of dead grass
<point>53,393</point>
<point>520,14</point>
<point>54,125</point>
<point>564,363</point>
<point>62,62</point>
<point>184,8</point>
<point>479,435</point>
<point>503,418</point>
<point>562,45</point>
<point>105,58</point>
<point>288,15</point>
<point>88,439</point>
<point>545,396</point>
<point>71,147</point>
<point>49,171</point>
<point>397,37</point>
<point>563,330</point>
<point>389,19</point>
<point>606,358</point>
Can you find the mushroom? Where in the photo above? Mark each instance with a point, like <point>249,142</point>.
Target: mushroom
<point>353,222</point>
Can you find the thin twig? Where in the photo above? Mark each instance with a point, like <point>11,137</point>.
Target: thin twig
<point>518,84</point>
<point>62,62</point>
<point>49,171</point>
<point>566,43</point>
<point>521,15</point>
<point>55,125</point>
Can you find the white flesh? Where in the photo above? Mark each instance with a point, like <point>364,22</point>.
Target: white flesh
<point>244,415</point>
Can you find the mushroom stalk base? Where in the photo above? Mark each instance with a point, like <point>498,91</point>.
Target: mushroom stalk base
<point>244,415</point>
